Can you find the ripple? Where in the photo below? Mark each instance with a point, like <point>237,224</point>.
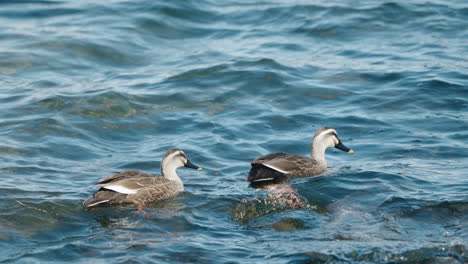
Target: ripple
<point>90,90</point>
<point>160,29</point>
<point>38,12</point>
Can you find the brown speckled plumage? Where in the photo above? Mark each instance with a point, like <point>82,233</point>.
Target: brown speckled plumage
<point>153,188</point>
<point>136,187</point>
<point>295,165</point>
<point>278,167</point>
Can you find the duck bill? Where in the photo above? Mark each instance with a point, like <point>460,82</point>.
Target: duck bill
<point>192,166</point>
<point>342,147</point>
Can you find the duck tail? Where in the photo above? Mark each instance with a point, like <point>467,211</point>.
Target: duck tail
<point>261,175</point>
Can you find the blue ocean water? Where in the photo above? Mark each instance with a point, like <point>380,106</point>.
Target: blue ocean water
<point>90,89</point>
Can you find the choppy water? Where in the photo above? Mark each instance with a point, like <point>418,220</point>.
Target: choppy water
<point>89,89</point>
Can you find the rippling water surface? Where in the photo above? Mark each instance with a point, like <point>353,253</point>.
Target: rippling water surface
<point>90,89</point>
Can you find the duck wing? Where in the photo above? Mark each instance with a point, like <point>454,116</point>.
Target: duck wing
<point>263,173</point>
<point>135,189</point>
<point>133,184</point>
<point>277,167</point>
<point>285,163</point>
<point>124,175</point>
<point>270,156</point>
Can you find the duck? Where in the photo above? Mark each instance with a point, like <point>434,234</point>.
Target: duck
<point>139,188</point>
<point>278,167</point>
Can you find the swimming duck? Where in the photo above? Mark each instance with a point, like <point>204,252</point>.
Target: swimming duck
<point>136,187</point>
<point>277,167</point>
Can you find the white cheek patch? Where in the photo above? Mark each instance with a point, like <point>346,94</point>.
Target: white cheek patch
<point>327,138</point>
<point>172,161</point>
<point>120,189</point>
<point>334,142</point>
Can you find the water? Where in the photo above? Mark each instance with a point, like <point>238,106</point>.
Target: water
<point>90,89</point>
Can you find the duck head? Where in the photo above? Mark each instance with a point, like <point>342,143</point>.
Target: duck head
<point>328,138</point>
<point>176,158</point>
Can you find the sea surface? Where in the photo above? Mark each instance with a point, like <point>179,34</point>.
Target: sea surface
<point>93,88</point>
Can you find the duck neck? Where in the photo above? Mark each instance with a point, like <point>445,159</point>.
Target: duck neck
<point>169,172</point>
<point>318,153</point>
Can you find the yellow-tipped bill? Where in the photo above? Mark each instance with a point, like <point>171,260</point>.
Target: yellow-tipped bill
<point>342,147</point>
<point>192,166</point>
